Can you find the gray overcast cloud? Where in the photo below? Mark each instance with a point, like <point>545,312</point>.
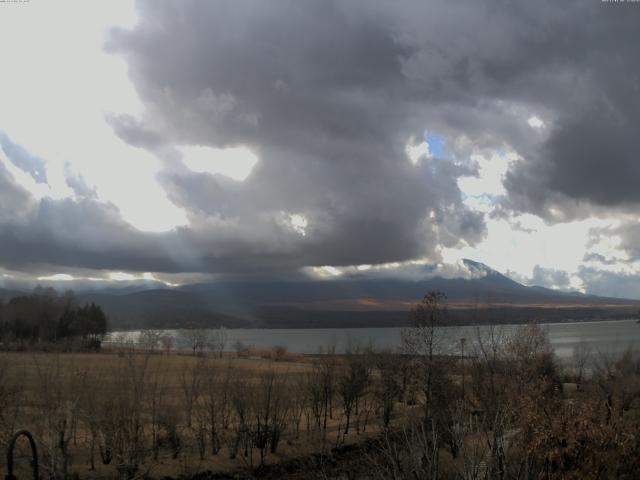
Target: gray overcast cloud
<point>328,96</point>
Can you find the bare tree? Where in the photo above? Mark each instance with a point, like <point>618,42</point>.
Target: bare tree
<point>191,379</point>
<point>59,402</point>
<point>424,341</point>
<point>271,407</point>
<point>126,414</point>
<point>299,395</point>
<point>166,341</point>
<point>531,356</point>
<point>411,453</point>
<point>218,340</point>
<point>316,395</point>
<point>90,413</point>
<point>216,403</point>
<point>324,390</point>
<point>581,358</point>
<point>149,339</point>
<point>279,353</point>
<point>157,404</point>
<point>491,381</point>
<point>241,389</point>
<point>388,385</point>
<point>353,380</point>
<point>196,339</point>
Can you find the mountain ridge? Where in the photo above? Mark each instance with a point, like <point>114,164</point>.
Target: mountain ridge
<point>485,296</point>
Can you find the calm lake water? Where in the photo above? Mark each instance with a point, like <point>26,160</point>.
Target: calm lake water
<point>604,337</point>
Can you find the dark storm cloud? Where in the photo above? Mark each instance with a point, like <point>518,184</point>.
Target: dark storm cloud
<point>589,158</point>
<point>320,93</point>
<point>85,233</point>
<point>327,94</point>
<point>75,233</point>
<point>67,232</point>
<point>14,200</point>
<point>347,83</point>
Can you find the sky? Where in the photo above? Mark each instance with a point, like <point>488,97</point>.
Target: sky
<point>189,141</point>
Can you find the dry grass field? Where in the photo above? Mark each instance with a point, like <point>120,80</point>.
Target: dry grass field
<point>500,412</point>
<point>128,413</point>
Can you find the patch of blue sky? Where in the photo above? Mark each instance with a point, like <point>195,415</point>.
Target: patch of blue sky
<point>501,152</point>
<point>22,159</point>
<point>436,144</point>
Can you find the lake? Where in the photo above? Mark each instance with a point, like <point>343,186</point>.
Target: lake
<point>605,337</point>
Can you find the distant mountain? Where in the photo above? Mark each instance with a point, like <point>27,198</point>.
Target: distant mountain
<point>160,308</point>
<point>485,296</point>
<point>7,294</point>
<point>485,285</point>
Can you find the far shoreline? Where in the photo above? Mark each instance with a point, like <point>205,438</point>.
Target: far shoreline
<point>570,321</point>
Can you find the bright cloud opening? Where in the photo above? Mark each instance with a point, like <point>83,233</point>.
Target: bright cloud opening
<point>235,162</point>
<point>129,277</point>
<point>299,224</point>
<point>535,122</point>
<point>559,246</point>
<point>326,271</point>
<point>415,151</point>
<point>58,277</point>
<point>294,221</point>
<point>481,190</point>
<point>121,276</point>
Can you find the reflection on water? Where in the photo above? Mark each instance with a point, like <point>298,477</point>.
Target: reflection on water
<point>601,337</point>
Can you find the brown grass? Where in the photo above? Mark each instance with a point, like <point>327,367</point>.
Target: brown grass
<point>97,371</point>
